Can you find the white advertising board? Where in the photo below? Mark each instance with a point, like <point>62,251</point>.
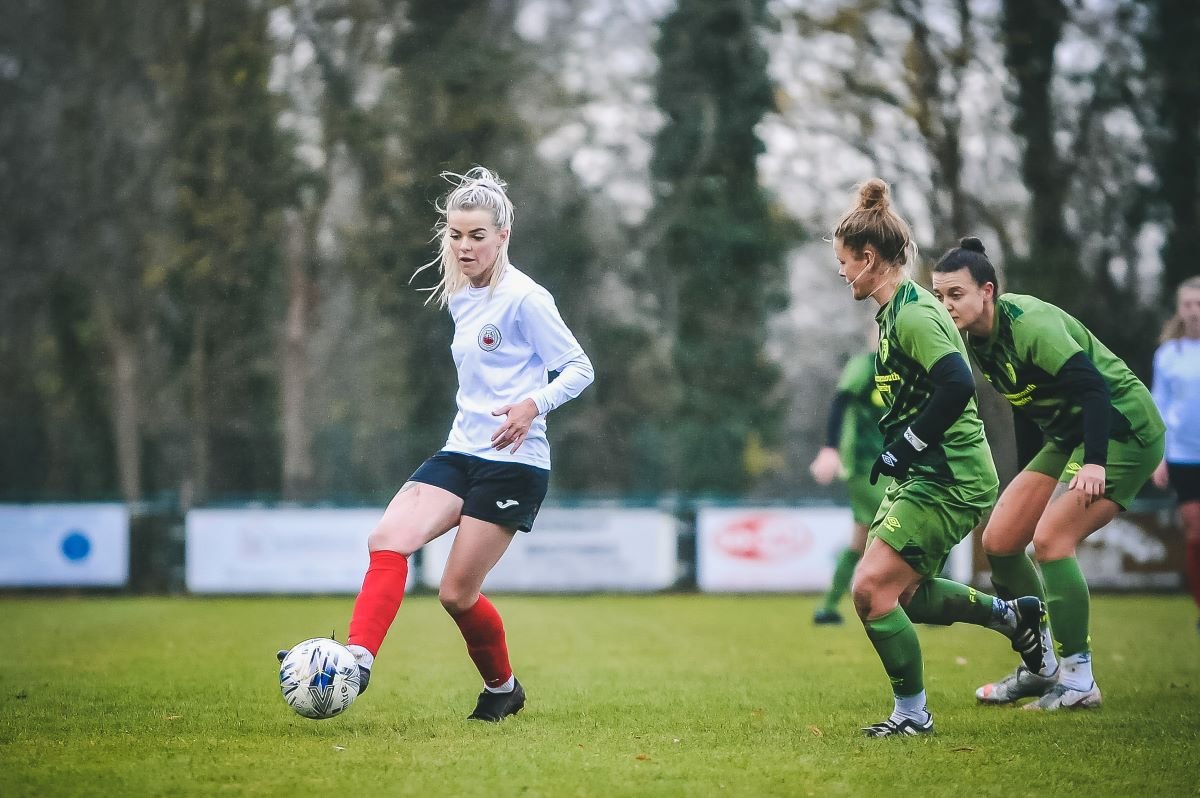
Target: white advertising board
<point>64,545</point>
<point>1142,549</point>
<point>779,549</point>
<point>279,550</point>
<point>578,550</point>
<point>1134,551</point>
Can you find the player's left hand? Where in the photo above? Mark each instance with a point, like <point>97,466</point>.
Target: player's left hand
<point>1090,481</point>
<point>516,425</point>
<point>894,461</point>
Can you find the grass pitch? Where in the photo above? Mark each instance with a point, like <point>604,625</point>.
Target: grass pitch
<point>676,695</point>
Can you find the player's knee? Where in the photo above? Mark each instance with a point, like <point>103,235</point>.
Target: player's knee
<point>1000,542</point>
<point>1047,548</point>
<point>457,599</point>
<point>390,536</point>
<point>988,540</point>
<point>862,592</point>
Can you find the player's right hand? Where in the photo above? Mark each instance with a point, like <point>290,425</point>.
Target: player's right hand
<point>1161,477</point>
<point>826,466</point>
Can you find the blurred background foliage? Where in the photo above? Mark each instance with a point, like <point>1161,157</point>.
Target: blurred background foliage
<point>211,212</point>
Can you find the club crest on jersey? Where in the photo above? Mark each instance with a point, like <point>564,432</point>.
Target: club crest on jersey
<point>489,338</point>
<point>883,348</point>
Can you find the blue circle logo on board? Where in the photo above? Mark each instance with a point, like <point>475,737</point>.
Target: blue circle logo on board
<point>76,546</point>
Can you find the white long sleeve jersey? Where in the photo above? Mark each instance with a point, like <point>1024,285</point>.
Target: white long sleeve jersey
<point>504,347</point>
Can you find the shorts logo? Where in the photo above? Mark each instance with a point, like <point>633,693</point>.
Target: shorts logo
<point>891,522</point>
<point>504,505</point>
<point>489,338</point>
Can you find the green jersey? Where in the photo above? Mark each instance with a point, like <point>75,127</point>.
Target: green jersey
<point>861,441</point>
<point>915,332</point>
<point>1030,342</point>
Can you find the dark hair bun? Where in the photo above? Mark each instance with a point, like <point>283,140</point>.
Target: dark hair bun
<point>972,244</point>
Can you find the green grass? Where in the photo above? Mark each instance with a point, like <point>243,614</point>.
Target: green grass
<point>682,695</point>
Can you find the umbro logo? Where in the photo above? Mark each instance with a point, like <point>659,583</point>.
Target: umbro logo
<point>507,503</point>
<point>889,459</point>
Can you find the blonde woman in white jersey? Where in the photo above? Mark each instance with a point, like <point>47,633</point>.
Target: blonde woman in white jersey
<point>491,476</point>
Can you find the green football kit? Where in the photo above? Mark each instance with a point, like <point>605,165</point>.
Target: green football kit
<point>861,440</point>
<point>943,495</point>
<point>1031,340</point>
<point>1024,358</point>
<point>953,483</point>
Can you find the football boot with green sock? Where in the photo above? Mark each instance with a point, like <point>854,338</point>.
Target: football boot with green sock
<point>901,727</point>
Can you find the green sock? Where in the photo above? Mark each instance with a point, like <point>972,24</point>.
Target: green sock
<point>1014,575</point>
<point>895,640</point>
<point>944,602</point>
<point>1067,602</point>
<point>842,575</point>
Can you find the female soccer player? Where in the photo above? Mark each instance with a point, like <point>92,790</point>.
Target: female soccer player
<point>1177,393</point>
<point>491,476</point>
<point>944,478</point>
<point>1091,437</point>
<point>852,440</point>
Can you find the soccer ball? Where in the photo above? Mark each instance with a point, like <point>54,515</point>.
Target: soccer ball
<point>319,678</point>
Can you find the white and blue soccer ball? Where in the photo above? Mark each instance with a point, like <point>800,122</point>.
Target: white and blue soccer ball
<point>319,678</point>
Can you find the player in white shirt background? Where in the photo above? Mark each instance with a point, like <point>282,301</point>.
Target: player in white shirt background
<point>491,476</point>
<point>1177,393</point>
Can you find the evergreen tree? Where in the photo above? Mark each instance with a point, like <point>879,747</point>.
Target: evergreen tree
<point>234,177</point>
<point>718,263</point>
<point>1175,63</point>
<point>81,166</point>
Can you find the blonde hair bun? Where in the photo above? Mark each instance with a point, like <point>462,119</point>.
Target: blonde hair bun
<point>873,195</point>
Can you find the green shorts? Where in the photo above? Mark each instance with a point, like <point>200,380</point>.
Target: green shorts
<point>1130,464</point>
<point>924,520</point>
<point>865,498</point>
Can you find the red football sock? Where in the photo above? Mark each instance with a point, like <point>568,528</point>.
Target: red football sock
<point>483,630</point>
<point>379,600</point>
<point>1193,568</point>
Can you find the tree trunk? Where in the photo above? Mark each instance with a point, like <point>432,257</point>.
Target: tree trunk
<point>124,397</point>
<point>298,468</point>
<point>198,491</point>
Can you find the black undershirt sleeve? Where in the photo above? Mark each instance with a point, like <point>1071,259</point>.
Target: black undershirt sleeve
<point>1029,438</point>
<point>1087,387</point>
<point>954,386</point>
<point>837,412</point>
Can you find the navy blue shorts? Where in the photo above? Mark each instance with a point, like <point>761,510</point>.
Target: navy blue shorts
<point>507,494</point>
<point>1185,480</point>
